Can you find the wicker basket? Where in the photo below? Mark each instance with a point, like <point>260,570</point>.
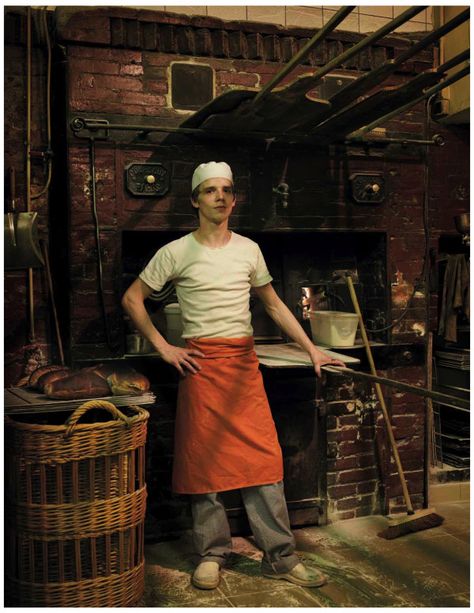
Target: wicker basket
<point>75,502</point>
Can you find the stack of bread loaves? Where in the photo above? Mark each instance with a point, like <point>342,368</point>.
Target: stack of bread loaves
<point>62,383</point>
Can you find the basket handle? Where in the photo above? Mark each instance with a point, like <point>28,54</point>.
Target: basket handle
<point>72,420</point>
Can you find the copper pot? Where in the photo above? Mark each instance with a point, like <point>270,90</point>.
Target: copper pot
<point>462,223</point>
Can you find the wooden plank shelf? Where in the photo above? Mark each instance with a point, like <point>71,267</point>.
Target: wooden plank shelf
<point>20,400</point>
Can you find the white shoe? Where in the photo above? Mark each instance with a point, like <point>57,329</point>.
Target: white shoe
<point>300,575</point>
<point>206,576</point>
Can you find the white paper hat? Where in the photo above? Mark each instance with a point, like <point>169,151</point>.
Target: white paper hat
<point>211,170</point>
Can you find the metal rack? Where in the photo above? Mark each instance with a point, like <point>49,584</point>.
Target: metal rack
<point>451,369</point>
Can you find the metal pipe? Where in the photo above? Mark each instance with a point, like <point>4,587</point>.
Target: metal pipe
<point>79,123</point>
<point>90,124</point>
<point>47,156</point>
<point>31,302</point>
<point>458,403</point>
<point>437,140</point>
<point>454,61</point>
<point>342,100</point>
<point>433,36</point>
<point>433,90</point>
<point>305,51</point>
<point>348,112</point>
<point>310,82</point>
<point>98,242</point>
<point>28,110</point>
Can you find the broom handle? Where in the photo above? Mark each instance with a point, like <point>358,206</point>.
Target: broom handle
<point>428,422</point>
<point>380,397</point>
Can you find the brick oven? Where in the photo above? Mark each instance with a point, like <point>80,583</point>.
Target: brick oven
<point>115,65</point>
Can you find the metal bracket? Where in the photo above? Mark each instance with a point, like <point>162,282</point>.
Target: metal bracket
<point>98,128</point>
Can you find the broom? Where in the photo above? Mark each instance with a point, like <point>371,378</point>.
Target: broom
<point>414,521</point>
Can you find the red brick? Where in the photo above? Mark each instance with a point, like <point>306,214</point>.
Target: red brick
<point>367,487</point>
<point>346,434</point>
<point>342,463</point>
<point>97,86</point>
<point>339,491</point>
<point>366,459</point>
<point>95,67</point>
<point>237,78</point>
<point>158,59</point>
<point>349,420</point>
<point>347,503</point>
<point>351,447</point>
<point>122,56</point>
<point>361,474</point>
<point>415,483</point>
<point>157,87</point>
<point>89,27</point>
<point>105,106</point>
<point>131,69</point>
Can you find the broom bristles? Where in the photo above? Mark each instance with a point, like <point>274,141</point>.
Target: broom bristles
<point>412,523</point>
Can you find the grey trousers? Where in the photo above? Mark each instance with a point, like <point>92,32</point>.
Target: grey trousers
<point>268,518</point>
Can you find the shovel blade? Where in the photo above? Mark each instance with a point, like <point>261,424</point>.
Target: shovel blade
<point>21,246</point>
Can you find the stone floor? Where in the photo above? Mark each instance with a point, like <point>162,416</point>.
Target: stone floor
<point>424,569</point>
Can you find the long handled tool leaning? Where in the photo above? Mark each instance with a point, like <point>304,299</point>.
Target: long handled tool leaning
<point>414,520</point>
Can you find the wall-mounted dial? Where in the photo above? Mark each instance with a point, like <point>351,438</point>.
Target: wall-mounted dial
<point>368,188</point>
<point>147,179</point>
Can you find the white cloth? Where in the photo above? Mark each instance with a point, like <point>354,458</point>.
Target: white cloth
<point>212,285</point>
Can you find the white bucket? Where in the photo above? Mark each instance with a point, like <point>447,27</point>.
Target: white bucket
<point>333,328</point>
<point>174,325</point>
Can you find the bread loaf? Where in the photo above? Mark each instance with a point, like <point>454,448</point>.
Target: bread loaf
<point>49,377</point>
<point>122,379</point>
<point>82,384</point>
<point>105,370</point>
<point>128,382</point>
<point>41,370</point>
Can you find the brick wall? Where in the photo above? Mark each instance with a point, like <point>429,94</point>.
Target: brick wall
<point>20,345</point>
<point>115,66</point>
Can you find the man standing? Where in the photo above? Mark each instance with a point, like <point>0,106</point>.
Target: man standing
<point>225,437</point>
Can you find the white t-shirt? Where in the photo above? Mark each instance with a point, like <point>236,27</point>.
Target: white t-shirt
<point>212,285</point>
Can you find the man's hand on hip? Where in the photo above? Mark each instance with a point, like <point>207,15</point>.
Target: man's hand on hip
<point>182,358</point>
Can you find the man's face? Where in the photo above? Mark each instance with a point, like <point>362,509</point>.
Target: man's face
<point>215,200</point>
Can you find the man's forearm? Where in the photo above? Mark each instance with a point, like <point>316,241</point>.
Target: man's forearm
<point>139,316</point>
<point>285,320</point>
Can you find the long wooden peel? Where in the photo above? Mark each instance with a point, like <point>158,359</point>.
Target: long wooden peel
<point>428,422</point>
<point>447,399</point>
<point>303,53</point>
<point>53,301</point>
<point>398,111</point>
<point>363,85</point>
<point>421,520</point>
<point>380,397</point>
<point>306,83</point>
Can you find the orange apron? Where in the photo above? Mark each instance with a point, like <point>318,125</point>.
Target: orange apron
<point>225,436</point>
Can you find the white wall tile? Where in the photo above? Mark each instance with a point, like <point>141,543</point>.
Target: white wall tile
<point>350,23</point>
<point>267,14</point>
<point>412,26</point>
<point>371,23</point>
<point>187,10</point>
<point>397,10</point>
<point>227,12</point>
<point>429,18</point>
<point>378,11</point>
<point>304,16</point>
<point>147,8</point>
